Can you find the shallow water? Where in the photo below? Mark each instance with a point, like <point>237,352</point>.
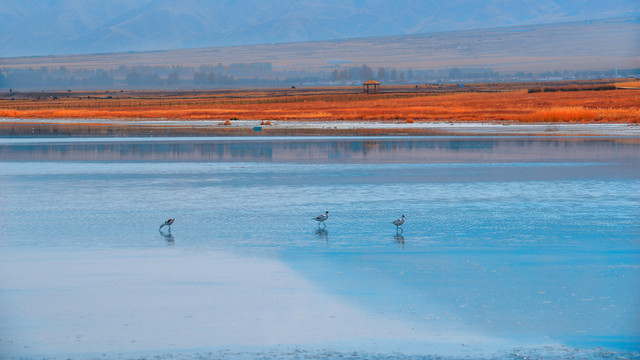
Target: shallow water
<point>510,243</point>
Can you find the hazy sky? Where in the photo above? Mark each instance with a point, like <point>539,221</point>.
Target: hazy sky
<point>35,27</point>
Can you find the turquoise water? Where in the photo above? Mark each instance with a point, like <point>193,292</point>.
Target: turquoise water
<point>509,243</point>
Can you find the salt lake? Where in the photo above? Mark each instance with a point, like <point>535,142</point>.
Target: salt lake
<point>512,247</point>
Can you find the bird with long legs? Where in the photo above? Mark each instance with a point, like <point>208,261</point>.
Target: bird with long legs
<point>322,218</point>
<point>398,223</point>
<point>168,223</point>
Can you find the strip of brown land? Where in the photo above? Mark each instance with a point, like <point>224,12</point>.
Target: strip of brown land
<point>580,102</point>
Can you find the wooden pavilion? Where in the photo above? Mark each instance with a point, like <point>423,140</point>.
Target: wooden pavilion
<point>366,87</point>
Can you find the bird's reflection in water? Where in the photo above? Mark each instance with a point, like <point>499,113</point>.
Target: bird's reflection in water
<point>399,239</point>
<point>323,234</point>
<point>168,237</point>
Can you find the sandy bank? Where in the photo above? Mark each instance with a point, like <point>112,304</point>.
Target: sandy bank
<point>110,127</point>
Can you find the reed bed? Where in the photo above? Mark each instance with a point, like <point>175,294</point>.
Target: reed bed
<point>622,106</point>
<point>582,114</point>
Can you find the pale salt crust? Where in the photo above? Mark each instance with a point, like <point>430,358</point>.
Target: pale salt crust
<point>502,128</point>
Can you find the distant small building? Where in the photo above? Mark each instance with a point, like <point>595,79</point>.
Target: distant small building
<point>366,87</point>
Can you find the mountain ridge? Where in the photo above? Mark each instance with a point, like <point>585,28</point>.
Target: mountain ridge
<point>546,47</point>
<point>34,27</point>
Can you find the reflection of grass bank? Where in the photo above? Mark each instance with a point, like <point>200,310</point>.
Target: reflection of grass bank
<point>57,130</point>
<point>177,128</point>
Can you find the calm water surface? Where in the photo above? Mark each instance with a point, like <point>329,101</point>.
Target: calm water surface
<point>511,246</point>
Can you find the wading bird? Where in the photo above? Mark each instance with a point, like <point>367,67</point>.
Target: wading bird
<point>398,223</point>
<point>167,223</point>
<point>322,218</point>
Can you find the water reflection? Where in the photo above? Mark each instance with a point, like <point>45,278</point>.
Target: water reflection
<point>349,150</point>
<point>399,239</point>
<point>322,234</point>
<point>167,236</point>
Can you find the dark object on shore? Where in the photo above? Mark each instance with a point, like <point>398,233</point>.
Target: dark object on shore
<point>574,88</point>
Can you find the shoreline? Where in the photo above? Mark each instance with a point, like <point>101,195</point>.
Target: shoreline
<point>189,128</point>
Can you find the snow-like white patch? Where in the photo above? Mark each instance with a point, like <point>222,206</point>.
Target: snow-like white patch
<point>149,300</point>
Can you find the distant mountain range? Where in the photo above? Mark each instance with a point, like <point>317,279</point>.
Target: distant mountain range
<point>36,27</point>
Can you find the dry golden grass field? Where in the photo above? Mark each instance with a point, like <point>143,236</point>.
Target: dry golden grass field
<point>577,101</point>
